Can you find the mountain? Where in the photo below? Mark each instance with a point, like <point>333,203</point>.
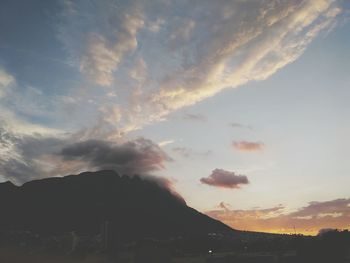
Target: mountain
<point>133,208</point>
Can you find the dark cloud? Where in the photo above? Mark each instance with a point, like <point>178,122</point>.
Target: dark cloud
<point>132,157</point>
<point>225,179</point>
<point>224,206</point>
<point>248,146</point>
<point>140,156</point>
<point>194,117</point>
<point>27,157</point>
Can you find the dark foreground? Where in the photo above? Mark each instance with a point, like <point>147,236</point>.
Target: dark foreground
<point>104,217</point>
<point>245,247</point>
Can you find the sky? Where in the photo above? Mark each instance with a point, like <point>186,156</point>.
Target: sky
<point>241,107</point>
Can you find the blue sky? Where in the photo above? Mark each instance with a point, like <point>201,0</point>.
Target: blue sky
<point>237,103</point>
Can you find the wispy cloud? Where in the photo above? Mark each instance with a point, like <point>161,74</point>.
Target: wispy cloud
<point>246,146</point>
<point>110,36</point>
<point>6,81</point>
<point>189,152</point>
<point>224,179</point>
<point>166,142</point>
<point>240,126</point>
<point>194,117</point>
<point>184,64</point>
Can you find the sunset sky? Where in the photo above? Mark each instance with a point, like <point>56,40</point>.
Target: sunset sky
<point>243,106</point>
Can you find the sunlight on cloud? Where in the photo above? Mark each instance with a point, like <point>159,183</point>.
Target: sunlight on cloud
<point>148,67</point>
<point>186,59</point>
<point>111,35</point>
<point>166,142</point>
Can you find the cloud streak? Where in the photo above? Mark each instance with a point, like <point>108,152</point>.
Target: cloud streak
<point>187,152</point>
<point>246,146</point>
<point>194,117</point>
<point>240,126</point>
<point>224,179</point>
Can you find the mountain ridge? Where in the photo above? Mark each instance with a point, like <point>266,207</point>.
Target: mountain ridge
<point>135,207</point>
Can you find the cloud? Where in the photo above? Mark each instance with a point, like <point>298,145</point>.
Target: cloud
<point>22,142</point>
<point>224,206</point>
<point>155,26</point>
<point>225,179</point>
<point>139,71</point>
<point>272,36</point>
<point>166,142</point>
<point>22,103</point>
<point>107,36</point>
<point>194,117</point>
<point>134,157</point>
<point>240,126</point>
<point>20,155</point>
<point>333,214</point>
<point>139,156</point>
<point>180,60</point>
<point>321,209</point>
<point>181,32</point>
<point>6,81</point>
<point>184,151</point>
<point>17,125</point>
<point>188,152</point>
<point>27,156</point>
<point>225,213</point>
<point>246,146</point>
<point>190,57</point>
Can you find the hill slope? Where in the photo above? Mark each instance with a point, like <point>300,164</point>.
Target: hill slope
<point>134,208</point>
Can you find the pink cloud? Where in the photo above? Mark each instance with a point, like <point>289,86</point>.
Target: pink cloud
<point>246,146</point>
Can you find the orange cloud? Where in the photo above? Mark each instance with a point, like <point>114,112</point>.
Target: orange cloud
<point>246,146</point>
<point>308,220</point>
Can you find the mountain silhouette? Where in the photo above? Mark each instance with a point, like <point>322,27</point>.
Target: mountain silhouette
<point>133,207</point>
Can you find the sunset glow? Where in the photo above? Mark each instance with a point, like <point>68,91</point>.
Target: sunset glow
<point>241,108</point>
